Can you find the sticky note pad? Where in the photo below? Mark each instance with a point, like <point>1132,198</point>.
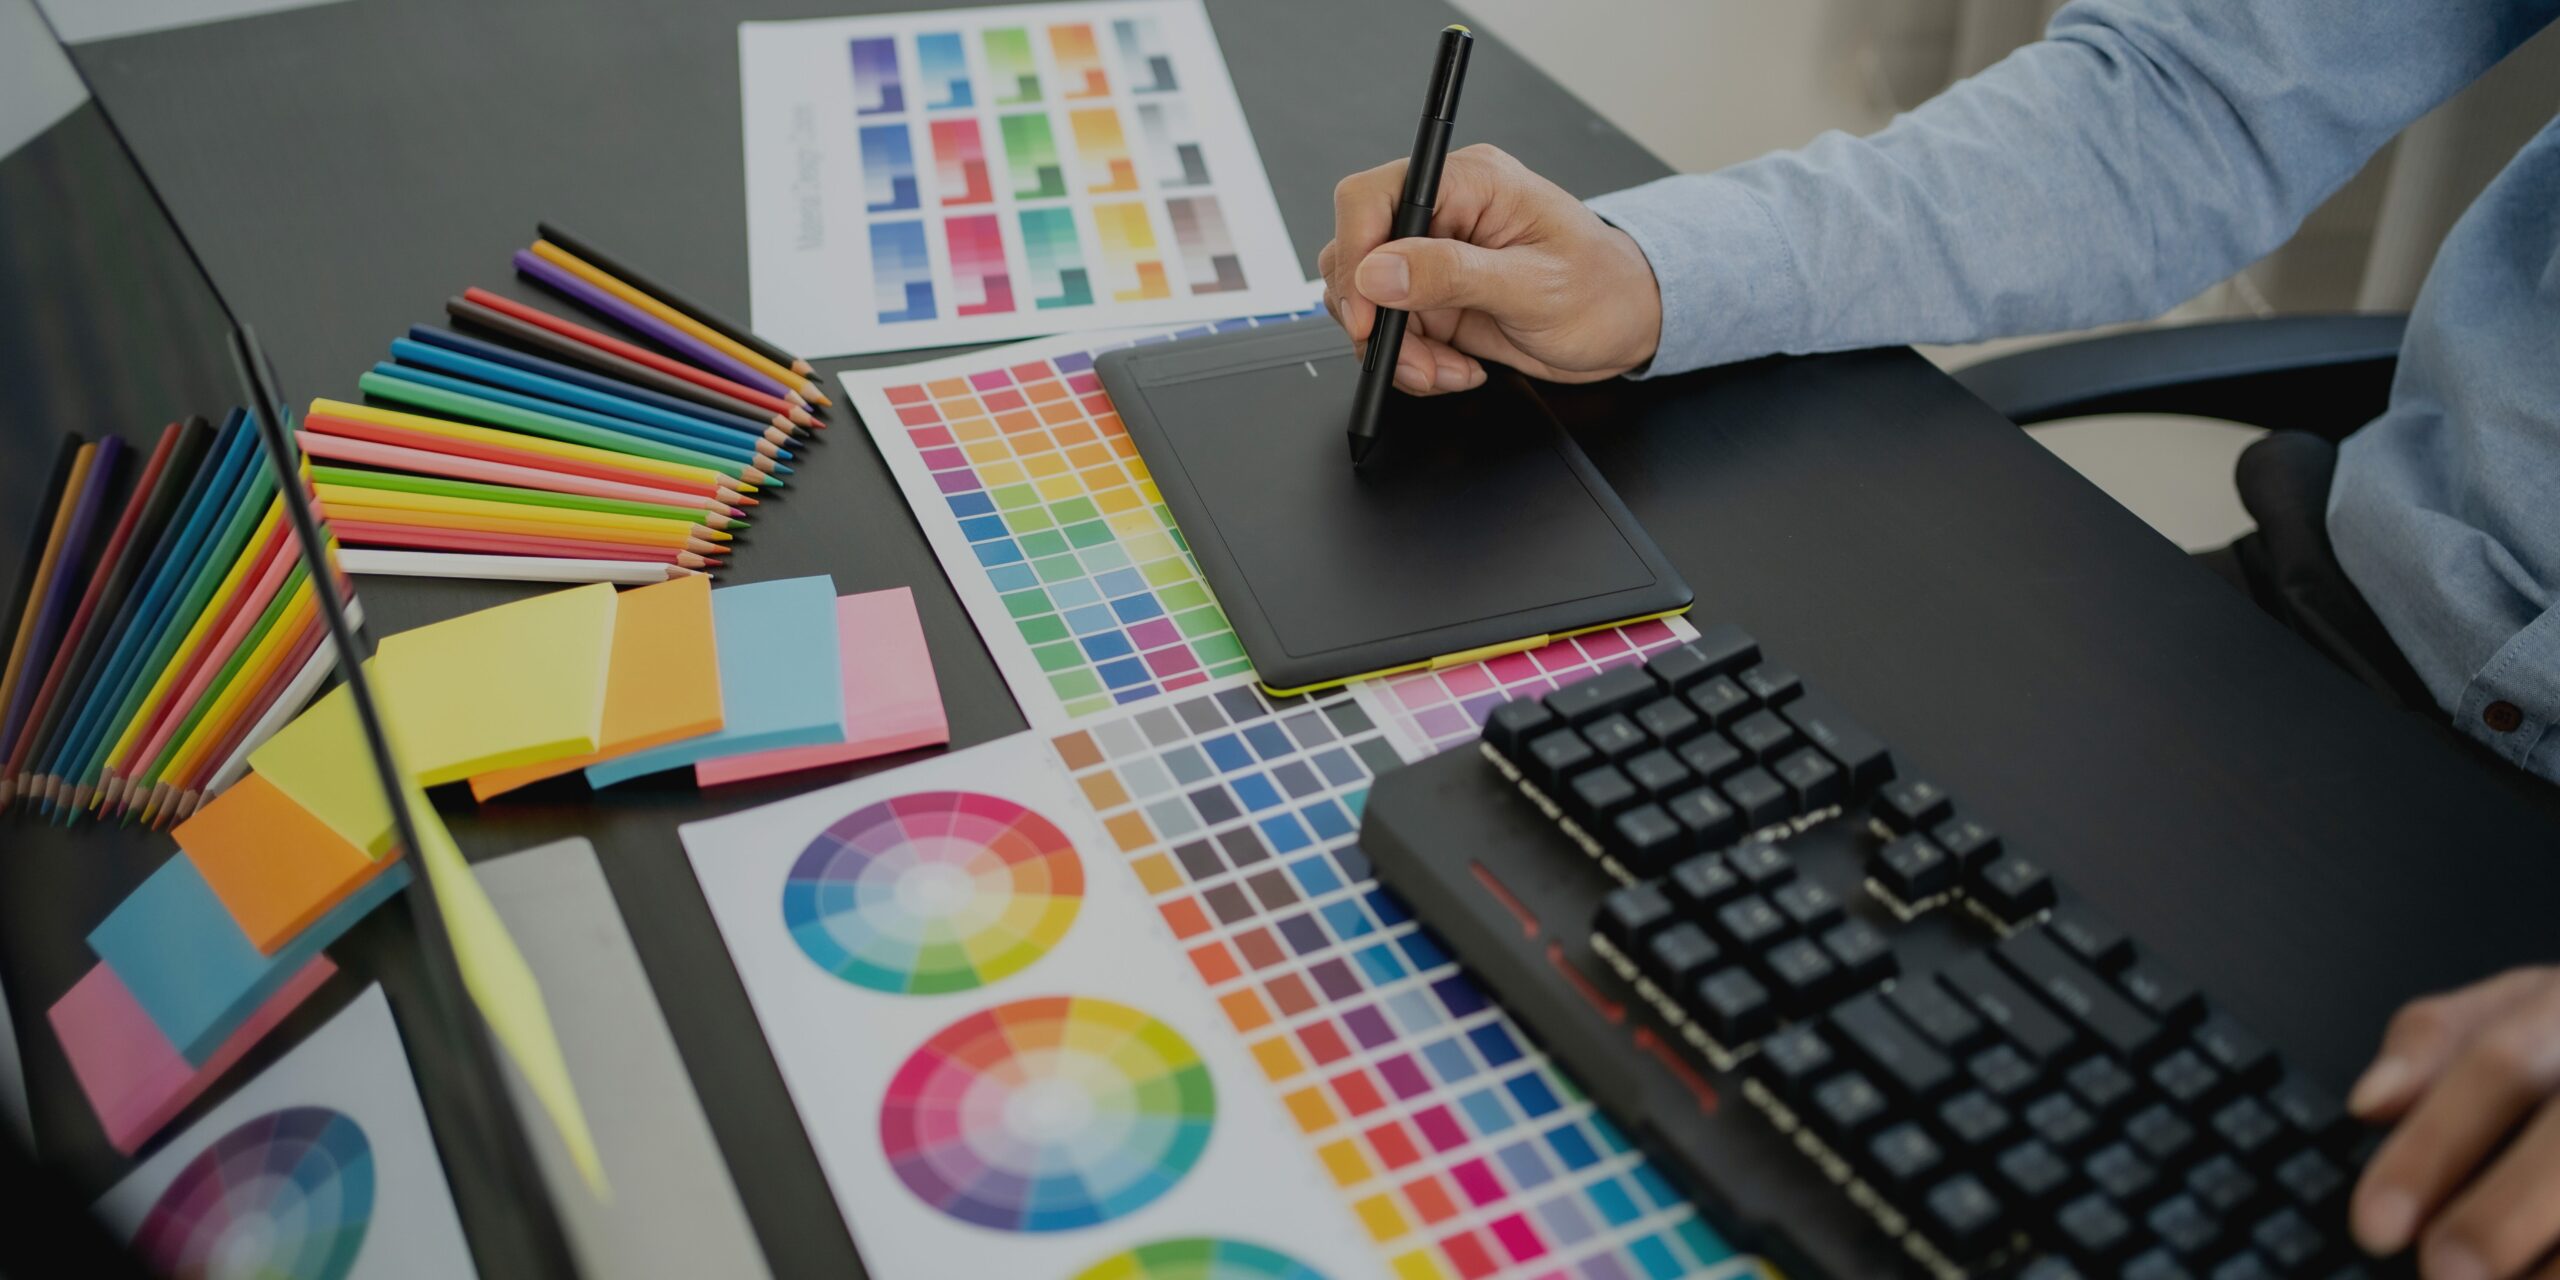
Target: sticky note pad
<point>776,681</point>
<point>192,969</point>
<point>891,702</point>
<point>518,684</point>
<point>319,760</point>
<point>664,684</point>
<point>275,866</point>
<point>135,1079</point>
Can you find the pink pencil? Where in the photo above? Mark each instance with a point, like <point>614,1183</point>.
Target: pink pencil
<point>417,537</point>
<point>393,457</point>
<point>252,605</point>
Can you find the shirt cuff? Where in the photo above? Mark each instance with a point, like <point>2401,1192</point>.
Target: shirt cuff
<point>1731,288</point>
<point>2510,705</point>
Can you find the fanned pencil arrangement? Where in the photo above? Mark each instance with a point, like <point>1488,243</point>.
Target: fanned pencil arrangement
<point>163,626</point>
<point>528,447</point>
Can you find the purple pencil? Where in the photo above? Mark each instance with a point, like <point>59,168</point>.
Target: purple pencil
<point>569,286</point>
<point>71,565</point>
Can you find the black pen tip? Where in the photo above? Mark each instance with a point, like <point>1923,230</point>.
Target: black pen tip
<point>1360,447</point>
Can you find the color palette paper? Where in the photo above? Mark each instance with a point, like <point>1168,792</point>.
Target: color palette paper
<point>1431,711</point>
<point>663,685</point>
<point>1041,512</point>
<point>135,1080</point>
<point>1030,1104</point>
<point>891,700</point>
<point>321,1168</point>
<point>980,174</point>
<point>1458,1147</point>
<point>772,693</point>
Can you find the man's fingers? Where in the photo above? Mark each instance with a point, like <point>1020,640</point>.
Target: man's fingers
<point>1364,205</point>
<point>2426,1034</point>
<point>2500,1075</point>
<point>2509,1217</point>
<point>1422,274</point>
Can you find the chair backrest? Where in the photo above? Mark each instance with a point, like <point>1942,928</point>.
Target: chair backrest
<point>2326,375</point>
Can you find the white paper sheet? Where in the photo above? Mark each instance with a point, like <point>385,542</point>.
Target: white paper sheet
<point>341,1113</point>
<point>841,1044</point>
<point>971,175</point>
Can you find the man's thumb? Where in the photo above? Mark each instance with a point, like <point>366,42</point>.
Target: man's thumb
<point>1424,274</point>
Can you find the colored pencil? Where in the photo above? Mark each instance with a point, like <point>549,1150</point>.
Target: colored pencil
<point>735,449</point>
<point>421,462</point>
<point>423,538</point>
<point>650,285</point>
<point>694,513</point>
<point>611,357</point>
<point>479,522</point>
<point>140,623</point>
<point>242,642</point>
<point>606,342</point>
<point>729,348</point>
<point>371,422</point>
<point>336,496</point>
<point>97,605</point>
<point>608,373</point>
<point>286,702</point>
<point>630,315</point>
<point>428,564</point>
<point>731,428</point>
<point>481,409</point>
<point>190,760</point>
<point>71,568</point>
<point>40,532</point>
<point>27,653</point>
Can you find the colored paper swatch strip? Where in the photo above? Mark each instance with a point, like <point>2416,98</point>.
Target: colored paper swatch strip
<point>1460,1149</point>
<point>888,169</point>
<point>1058,275</point>
<point>1174,144</point>
<point>1104,150</point>
<point>1208,253</point>
<point>1133,271</point>
<point>960,162</point>
<point>901,272</point>
<point>1031,157</point>
<point>1144,56</point>
<point>1431,711</point>
<point>892,701</point>
<point>1079,61</point>
<point>944,64</point>
<point>876,88</point>
<point>980,281</point>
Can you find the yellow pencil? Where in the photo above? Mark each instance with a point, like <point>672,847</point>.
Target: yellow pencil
<point>734,349</point>
<point>490,437</point>
<point>231,585</point>
<point>675,541</point>
<point>300,612</point>
<point>334,496</point>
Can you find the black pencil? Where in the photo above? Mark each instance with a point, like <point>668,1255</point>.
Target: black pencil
<point>605,362</point>
<point>41,528</point>
<point>614,266</point>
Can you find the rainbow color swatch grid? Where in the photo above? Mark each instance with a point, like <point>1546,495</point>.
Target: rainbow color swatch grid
<point>1460,1149</point>
<point>1432,711</point>
<point>1039,508</point>
<point>977,174</point>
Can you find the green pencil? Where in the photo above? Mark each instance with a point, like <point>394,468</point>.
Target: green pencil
<point>440,487</point>
<point>543,424</point>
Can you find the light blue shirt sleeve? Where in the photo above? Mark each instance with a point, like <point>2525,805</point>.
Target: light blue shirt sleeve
<point>2142,151</point>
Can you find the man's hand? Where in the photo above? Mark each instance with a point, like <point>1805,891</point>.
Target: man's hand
<point>2459,1075</point>
<point>1515,271</point>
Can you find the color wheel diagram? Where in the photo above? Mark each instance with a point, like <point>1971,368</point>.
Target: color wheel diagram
<point>935,892</point>
<point>287,1195</point>
<point>1200,1258</point>
<point>1047,1114</point>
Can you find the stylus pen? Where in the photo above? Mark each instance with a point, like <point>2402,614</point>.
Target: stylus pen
<point>1413,218</point>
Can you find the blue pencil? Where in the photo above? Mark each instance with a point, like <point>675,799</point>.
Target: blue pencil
<point>624,426</point>
<point>459,365</point>
<point>563,372</point>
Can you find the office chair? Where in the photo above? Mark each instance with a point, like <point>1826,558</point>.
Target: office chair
<point>2310,381</point>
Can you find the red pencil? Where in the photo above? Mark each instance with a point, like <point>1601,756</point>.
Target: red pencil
<point>384,433</point>
<point>605,342</point>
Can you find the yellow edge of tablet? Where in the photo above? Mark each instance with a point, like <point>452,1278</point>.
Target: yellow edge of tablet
<point>1482,653</point>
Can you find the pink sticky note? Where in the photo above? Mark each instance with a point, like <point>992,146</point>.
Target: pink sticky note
<point>891,702</point>
<point>136,1080</point>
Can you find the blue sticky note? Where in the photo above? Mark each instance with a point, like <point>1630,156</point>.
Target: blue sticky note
<point>781,684</point>
<point>187,963</point>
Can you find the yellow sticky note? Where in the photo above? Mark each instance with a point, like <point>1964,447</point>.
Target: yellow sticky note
<point>664,684</point>
<point>514,685</point>
<point>320,761</point>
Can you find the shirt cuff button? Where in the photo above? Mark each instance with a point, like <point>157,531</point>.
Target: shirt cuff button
<point>2501,716</point>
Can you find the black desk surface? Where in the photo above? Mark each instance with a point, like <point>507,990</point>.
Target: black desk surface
<point>344,168</point>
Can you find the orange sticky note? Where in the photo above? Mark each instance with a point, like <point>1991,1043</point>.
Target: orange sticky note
<point>663,684</point>
<point>275,867</point>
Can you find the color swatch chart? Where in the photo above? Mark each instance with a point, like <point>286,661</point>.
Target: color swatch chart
<point>1459,1148</point>
<point>1432,711</point>
<point>996,173</point>
<point>1041,512</point>
<point>1002,1069</point>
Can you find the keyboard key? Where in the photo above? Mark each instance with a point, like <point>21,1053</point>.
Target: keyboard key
<point>1710,756</point>
<point>1912,869</point>
<point>1725,648</point>
<point>1762,864</point>
<point>2249,1130</point>
<point>2120,1171</point>
<point>2288,1240</point>
<point>1901,1060</point>
<point>1703,883</point>
<point>2060,1121</point>
<point>1647,838</point>
<point>1669,720</point>
<point>2099,944</point>
<point>1800,975</point>
<point>1762,799</point>
<point>1513,724</point>
<point>1807,905</point>
<point>2011,888</point>
<point>1861,755</point>
<point>2240,1056</point>
<point>1594,795</point>
<point>1864,956</point>
<point>2160,1134</point>
<point>1962,1217</point>
<point>1632,915</point>
<point>1659,774</point>
<point>1584,701</point>
<point>2032,1172</point>
<point>1678,956</point>
<point>2055,974</point>
<point>1966,840</point>
<point>2100,1084</point>
<point>1733,1007</point>
<point>1555,757</point>
<point>1770,683</point>
<point>1791,1059</point>
<point>1679,667</point>
<point>1749,924</point>
<point>1615,737</point>
<point>2050,1267</point>
<point>2003,1004</point>
<point>2220,1184</point>
<point>2307,1109</point>
<point>2244,1266</point>
<point>1719,701</point>
<point>1903,1158</point>
<point>1848,1104</point>
<point>1706,817</point>
<point>2183,1225</point>
<point>1906,805</point>
<point>2155,1264</point>
<point>2311,1179</point>
<point>2186,1077</point>
<point>2002,1072</point>
<point>1815,782</point>
<point>1926,1005</point>
<point>2169,997</point>
<point>1763,736</point>
<point>1973,1121</point>
<point>2092,1226</point>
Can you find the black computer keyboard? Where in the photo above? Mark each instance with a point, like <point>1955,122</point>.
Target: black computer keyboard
<point>1998,1078</point>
